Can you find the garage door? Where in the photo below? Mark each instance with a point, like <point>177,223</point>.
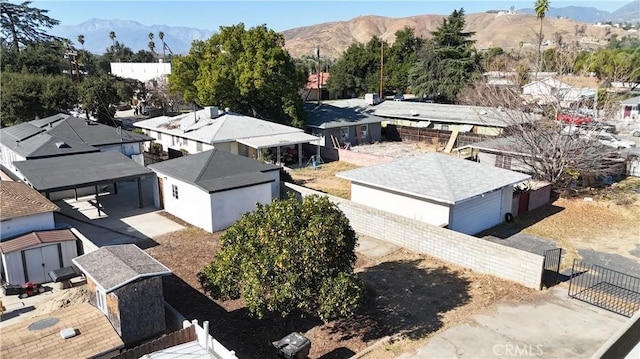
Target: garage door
<point>477,214</point>
<point>39,262</point>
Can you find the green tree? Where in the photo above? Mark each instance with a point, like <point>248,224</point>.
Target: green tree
<point>98,93</point>
<point>399,59</point>
<point>164,46</point>
<point>358,69</point>
<point>23,24</point>
<point>27,96</point>
<point>288,257</point>
<point>447,63</point>
<point>248,71</point>
<point>81,40</point>
<point>541,8</point>
<point>112,36</point>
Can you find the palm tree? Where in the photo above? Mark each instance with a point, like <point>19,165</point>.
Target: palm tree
<point>152,45</point>
<point>541,7</point>
<point>112,36</point>
<point>81,40</point>
<point>161,37</point>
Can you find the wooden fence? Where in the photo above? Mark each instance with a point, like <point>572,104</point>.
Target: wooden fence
<point>430,135</point>
<point>181,336</point>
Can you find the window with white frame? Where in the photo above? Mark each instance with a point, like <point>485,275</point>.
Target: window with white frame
<point>344,134</point>
<point>174,191</point>
<point>364,131</point>
<point>101,300</point>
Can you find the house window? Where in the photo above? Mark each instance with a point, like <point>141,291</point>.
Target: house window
<point>101,300</point>
<point>174,191</point>
<point>364,131</point>
<point>198,146</point>
<point>159,136</point>
<point>344,134</point>
<point>444,127</point>
<point>503,161</point>
<point>173,140</point>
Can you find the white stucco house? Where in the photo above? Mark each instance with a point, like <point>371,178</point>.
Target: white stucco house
<point>212,189</point>
<point>141,71</point>
<point>548,90</point>
<point>630,109</point>
<point>23,210</point>
<point>435,188</point>
<point>210,127</point>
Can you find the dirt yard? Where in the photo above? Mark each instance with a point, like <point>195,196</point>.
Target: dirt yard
<point>408,298</point>
<point>324,178</point>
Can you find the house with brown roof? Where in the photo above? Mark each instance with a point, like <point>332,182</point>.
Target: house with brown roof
<point>87,334</point>
<point>125,283</point>
<point>23,210</point>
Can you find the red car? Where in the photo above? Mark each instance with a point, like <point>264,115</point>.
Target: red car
<point>573,119</point>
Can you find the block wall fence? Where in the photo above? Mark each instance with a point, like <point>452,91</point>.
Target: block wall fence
<point>467,251</point>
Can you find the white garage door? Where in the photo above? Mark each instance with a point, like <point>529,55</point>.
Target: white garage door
<point>477,214</point>
<point>40,261</point>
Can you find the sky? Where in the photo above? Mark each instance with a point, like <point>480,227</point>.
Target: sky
<point>277,15</point>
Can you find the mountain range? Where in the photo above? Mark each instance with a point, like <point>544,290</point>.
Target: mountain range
<point>492,30</point>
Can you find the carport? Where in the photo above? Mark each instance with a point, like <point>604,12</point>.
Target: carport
<point>55,174</point>
<point>277,141</point>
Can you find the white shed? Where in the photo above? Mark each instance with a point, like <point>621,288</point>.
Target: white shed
<point>212,189</point>
<point>30,257</point>
<point>462,195</point>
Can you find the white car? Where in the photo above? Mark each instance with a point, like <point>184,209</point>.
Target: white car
<point>635,133</point>
<point>611,140</point>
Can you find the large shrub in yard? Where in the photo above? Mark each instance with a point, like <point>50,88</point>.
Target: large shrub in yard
<point>288,257</point>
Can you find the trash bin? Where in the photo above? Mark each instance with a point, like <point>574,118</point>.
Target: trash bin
<point>294,346</point>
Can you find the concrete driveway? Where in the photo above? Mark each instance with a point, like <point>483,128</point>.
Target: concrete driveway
<point>120,219</point>
<point>550,326</point>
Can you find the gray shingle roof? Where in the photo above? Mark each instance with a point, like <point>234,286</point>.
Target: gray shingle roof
<point>66,172</point>
<point>212,129</point>
<point>436,177</point>
<point>329,116</point>
<point>216,170</point>
<point>631,101</point>
<point>112,267</point>
<point>442,113</point>
<point>44,145</point>
<point>93,133</point>
<point>49,121</point>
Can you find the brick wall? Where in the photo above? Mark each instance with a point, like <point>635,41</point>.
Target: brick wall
<point>470,252</point>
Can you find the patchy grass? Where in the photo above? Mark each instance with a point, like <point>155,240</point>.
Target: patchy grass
<point>324,178</point>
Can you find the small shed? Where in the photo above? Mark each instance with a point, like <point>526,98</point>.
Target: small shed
<point>30,257</point>
<point>125,283</point>
<point>435,188</point>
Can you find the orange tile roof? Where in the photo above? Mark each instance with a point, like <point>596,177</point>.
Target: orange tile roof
<point>312,80</point>
<point>18,200</point>
<point>35,238</point>
<point>94,335</point>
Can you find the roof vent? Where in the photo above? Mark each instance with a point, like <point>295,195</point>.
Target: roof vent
<point>62,145</point>
<point>67,333</point>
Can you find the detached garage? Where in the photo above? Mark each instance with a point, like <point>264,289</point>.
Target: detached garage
<point>212,189</point>
<point>30,257</point>
<point>438,189</point>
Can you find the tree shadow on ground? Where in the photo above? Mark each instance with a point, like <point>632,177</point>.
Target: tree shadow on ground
<point>521,221</point>
<point>403,298</point>
<point>237,330</point>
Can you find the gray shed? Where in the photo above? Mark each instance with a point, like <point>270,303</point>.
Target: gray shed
<point>126,284</point>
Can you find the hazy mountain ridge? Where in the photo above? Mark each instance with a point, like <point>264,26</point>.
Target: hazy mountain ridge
<point>131,34</point>
<point>492,30</point>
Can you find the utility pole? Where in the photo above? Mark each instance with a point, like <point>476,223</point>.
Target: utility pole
<point>381,66</point>
<point>318,71</point>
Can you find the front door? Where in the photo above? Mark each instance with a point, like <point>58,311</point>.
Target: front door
<point>161,191</point>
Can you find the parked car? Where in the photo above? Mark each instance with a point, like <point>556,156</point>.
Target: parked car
<point>398,97</point>
<point>599,127</point>
<point>635,132</point>
<point>612,140</point>
<point>147,110</point>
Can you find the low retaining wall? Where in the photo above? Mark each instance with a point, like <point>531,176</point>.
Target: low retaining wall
<point>470,252</point>
<point>622,342</point>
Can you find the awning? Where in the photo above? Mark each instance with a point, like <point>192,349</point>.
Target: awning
<point>284,139</point>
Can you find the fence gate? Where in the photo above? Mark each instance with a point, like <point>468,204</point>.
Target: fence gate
<point>605,288</point>
<point>551,268</point>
